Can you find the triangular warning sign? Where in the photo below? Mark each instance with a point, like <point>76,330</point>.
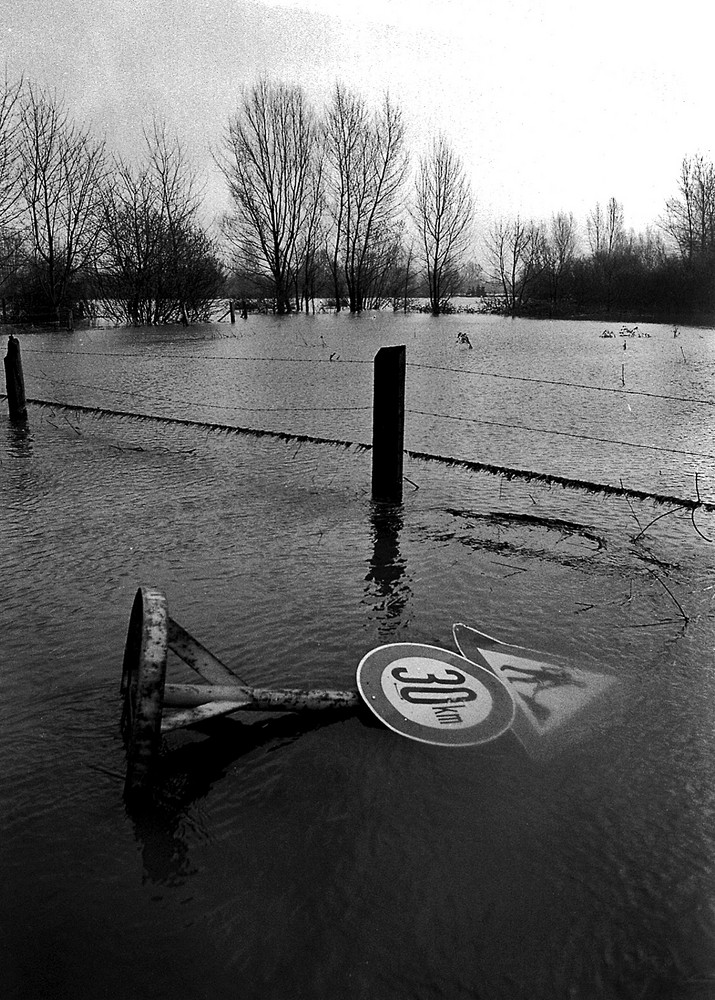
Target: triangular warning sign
<point>553,698</point>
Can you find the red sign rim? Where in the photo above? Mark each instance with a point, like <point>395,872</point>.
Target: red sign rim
<point>374,666</point>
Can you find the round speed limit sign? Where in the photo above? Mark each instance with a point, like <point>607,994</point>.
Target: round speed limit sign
<point>433,695</point>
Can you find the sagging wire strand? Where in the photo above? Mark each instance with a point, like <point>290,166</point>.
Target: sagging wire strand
<point>132,394</point>
<point>621,391</point>
<point>569,434</point>
<point>505,472</point>
<point>336,359</point>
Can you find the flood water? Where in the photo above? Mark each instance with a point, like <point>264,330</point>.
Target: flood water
<point>296,858</point>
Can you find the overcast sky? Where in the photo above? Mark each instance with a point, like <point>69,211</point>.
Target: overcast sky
<point>553,105</point>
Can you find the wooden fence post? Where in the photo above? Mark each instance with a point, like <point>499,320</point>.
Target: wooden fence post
<point>232,310</point>
<point>15,382</point>
<point>388,424</point>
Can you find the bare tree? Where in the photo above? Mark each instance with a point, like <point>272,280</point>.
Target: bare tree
<point>61,169</point>
<point>690,218</point>
<point>559,248</point>
<point>443,214</point>
<point>269,161</point>
<point>10,201</point>
<point>515,253</point>
<point>607,237</point>
<point>157,264</point>
<point>310,240</point>
<point>366,169</point>
<point>605,229</point>
<point>179,199</point>
<point>406,278</point>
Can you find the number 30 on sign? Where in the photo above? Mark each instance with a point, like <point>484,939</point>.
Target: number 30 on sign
<point>433,695</point>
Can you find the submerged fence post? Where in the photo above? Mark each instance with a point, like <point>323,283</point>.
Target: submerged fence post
<point>388,424</point>
<point>15,381</point>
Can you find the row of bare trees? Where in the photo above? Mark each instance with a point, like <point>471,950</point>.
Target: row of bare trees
<point>77,225</point>
<point>545,267</point>
<point>328,196</point>
<point>323,204</point>
<point>328,201</point>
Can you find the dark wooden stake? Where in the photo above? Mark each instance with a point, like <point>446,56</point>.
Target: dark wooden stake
<point>232,310</point>
<point>15,382</point>
<point>388,424</point>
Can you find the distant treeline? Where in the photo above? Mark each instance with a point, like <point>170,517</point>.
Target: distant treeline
<point>326,205</point>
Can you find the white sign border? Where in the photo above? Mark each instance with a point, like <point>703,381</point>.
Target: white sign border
<point>370,688</point>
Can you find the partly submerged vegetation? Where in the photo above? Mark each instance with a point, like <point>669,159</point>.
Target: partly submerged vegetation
<point>327,206</point>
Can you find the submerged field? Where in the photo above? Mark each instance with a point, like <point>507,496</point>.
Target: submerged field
<point>296,859</point>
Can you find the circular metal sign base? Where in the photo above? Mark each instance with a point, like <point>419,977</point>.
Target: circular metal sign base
<point>433,695</point>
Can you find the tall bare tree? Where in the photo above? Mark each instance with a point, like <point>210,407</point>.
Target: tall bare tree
<point>690,218</point>
<point>514,249</point>
<point>606,232</point>
<point>366,167</point>
<point>607,237</point>
<point>559,248</point>
<point>61,168</point>
<point>179,200</point>
<point>10,192</point>
<point>310,240</point>
<point>270,153</point>
<point>443,214</point>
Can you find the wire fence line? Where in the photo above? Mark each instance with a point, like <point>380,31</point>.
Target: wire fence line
<point>621,391</point>
<point>200,357</point>
<point>337,360</point>
<point>474,466</point>
<point>568,434</point>
<point>133,394</point>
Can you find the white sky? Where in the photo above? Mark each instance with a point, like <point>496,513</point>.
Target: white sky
<point>553,105</point>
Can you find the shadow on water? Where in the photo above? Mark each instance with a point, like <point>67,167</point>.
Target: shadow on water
<point>187,773</point>
<point>388,590</point>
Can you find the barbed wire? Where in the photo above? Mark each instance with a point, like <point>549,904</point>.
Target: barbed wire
<point>570,434</point>
<point>335,359</point>
<point>568,385</point>
<point>133,394</point>
<point>474,466</point>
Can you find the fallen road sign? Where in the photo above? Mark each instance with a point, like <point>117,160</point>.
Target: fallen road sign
<point>433,695</point>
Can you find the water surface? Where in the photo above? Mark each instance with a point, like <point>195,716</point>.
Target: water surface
<point>295,859</point>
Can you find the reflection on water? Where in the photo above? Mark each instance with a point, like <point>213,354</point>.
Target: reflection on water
<point>19,440</point>
<point>388,587</point>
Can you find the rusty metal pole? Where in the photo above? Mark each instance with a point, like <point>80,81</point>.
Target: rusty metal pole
<point>15,382</point>
<point>260,699</point>
<point>143,680</point>
<point>388,424</point>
